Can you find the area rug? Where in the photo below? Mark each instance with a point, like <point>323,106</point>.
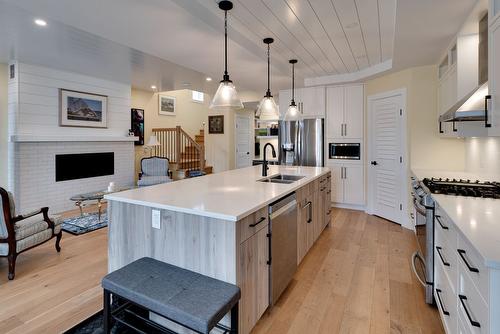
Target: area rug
<point>89,222</point>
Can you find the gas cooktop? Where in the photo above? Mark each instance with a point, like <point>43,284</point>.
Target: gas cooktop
<point>463,187</point>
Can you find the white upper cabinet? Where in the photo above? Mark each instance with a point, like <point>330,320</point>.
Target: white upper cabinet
<point>310,101</point>
<point>345,112</point>
<point>494,75</point>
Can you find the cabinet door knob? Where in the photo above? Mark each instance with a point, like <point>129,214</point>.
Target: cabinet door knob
<point>374,163</point>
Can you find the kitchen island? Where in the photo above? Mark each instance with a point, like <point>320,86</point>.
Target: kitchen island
<point>218,225</point>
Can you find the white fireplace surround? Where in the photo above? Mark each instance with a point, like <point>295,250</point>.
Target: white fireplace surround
<point>36,137</point>
<point>34,182</point>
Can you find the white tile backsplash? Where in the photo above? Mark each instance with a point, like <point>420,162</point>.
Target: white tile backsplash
<point>482,156</point>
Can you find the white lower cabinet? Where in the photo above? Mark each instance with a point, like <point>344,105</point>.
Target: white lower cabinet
<point>467,292</point>
<point>348,185</point>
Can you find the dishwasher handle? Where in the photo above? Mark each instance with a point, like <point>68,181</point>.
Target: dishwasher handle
<point>309,211</point>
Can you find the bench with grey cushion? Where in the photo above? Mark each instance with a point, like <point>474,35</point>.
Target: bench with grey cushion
<point>154,170</point>
<point>189,299</point>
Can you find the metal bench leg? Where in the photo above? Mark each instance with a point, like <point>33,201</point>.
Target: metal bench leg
<point>107,312</point>
<point>234,318</point>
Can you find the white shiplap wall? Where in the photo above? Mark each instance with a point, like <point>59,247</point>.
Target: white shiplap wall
<point>35,102</point>
<point>33,108</point>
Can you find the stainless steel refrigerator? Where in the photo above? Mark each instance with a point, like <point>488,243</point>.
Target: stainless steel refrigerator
<point>301,143</point>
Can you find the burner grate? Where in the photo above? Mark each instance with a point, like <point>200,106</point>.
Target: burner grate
<point>463,187</point>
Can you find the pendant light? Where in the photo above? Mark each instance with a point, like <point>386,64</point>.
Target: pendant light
<point>226,96</point>
<point>292,114</point>
<point>268,110</point>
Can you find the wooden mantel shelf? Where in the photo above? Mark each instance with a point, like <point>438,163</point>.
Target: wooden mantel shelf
<point>65,138</point>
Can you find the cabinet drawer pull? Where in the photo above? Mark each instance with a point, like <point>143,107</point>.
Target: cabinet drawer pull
<point>258,222</point>
<point>461,252</point>
<point>438,293</point>
<point>438,249</point>
<point>472,322</point>
<point>444,227</point>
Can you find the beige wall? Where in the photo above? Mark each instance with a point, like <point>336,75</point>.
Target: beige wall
<point>427,150</point>
<point>3,125</point>
<point>219,148</point>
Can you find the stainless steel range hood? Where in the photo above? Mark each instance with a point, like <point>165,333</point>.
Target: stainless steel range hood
<point>473,107</point>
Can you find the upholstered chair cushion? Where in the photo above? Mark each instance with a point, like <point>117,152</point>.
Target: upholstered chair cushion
<point>152,180</point>
<point>34,224</point>
<point>154,166</point>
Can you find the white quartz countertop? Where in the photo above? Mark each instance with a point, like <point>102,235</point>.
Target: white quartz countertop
<point>230,195</point>
<point>477,219</point>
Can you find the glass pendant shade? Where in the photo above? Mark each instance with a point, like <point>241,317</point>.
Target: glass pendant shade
<point>292,113</point>
<point>268,110</point>
<point>226,97</point>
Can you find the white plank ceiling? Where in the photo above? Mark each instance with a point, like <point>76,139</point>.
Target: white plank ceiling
<point>330,38</point>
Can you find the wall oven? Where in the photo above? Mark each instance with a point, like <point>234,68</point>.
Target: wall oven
<point>344,151</point>
<point>423,259</point>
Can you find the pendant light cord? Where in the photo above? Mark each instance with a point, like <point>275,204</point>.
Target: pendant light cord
<point>226,75</point>
<point>268,72</point>
<point>293,82</point>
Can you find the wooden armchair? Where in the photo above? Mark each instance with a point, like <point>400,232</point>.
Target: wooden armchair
<point>23,232</point>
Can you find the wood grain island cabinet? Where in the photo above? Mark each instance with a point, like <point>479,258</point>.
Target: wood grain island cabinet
<point>233,250</point>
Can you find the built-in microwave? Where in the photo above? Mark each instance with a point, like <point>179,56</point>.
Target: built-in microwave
<point>345,151</point>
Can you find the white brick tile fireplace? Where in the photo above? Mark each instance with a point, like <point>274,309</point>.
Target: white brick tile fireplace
<point>34,182</point>
<point>36,137</point>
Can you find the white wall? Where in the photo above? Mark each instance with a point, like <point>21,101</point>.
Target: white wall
<point>34,102</point>
<point>3,126</point>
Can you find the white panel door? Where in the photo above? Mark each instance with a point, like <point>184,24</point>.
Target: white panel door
<point>386,175</point>
<point>243,141</point>
<point>335,111</point>
<point>353,112</point>
<point>313,102</point>
<point>354,185</point>
<point>337,183</point>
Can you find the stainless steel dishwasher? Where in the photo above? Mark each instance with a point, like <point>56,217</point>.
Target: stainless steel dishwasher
<point>283,248</point>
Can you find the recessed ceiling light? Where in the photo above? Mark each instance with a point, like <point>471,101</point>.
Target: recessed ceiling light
<point>40,22</point>
<point>208,79</point>
<point>186,84</point>
<point>351,25</point>
<point>153,87</point>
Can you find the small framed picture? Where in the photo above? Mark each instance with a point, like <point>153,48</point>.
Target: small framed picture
<point>166,105</point>
<point>216,124</point>
<point>83,109</point>
<point>138,125</point>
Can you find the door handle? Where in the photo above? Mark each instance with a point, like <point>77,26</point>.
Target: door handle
<point>248,153</point>
<point>461,252</point>
<point>345,129</point>
<point>309,211</point>
<point>374,163</point>
<point>438,293</point>
<point>342,129</point>
<point>462,301</point>
<point>444,227</point>
<point>257,222</point>
<point>438,249</point>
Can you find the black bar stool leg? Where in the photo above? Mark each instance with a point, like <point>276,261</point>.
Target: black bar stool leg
<point>107,312</point>
<point>234,318</point>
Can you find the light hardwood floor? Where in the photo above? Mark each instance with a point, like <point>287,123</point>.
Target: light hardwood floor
<point>356,279</point>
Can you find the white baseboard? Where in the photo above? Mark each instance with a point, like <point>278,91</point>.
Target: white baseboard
<point>348,206</point>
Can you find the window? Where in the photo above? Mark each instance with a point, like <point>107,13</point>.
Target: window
<point>198,96</point>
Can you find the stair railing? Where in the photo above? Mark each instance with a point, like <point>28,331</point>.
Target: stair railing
<point>179,148</point>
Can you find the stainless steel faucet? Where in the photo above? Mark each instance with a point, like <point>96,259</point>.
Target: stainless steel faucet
<point>265,166</point>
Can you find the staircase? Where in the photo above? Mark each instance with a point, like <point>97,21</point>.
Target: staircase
<point>184,153</point>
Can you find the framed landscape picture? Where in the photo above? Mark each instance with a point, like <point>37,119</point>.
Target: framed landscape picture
<point>83,109</point>
<point>166,105</point>
<point>216,124</point>
<point>137,125</point>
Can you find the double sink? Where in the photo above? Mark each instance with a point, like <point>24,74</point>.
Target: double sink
<point>282,178</point>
